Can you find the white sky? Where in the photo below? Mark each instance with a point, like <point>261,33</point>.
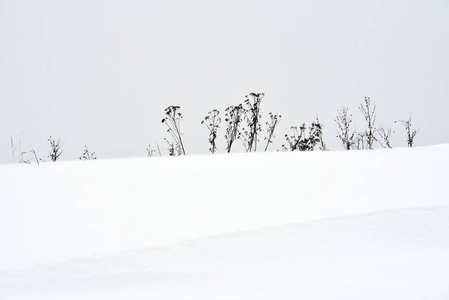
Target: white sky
<point>100,73</point>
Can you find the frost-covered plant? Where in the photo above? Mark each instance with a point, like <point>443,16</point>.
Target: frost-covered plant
<point>410,133</point>
<point>359,141</point>
<point>317,132</point>
<point>55,149</point>
<point>368,137</point>
<point>212,121</point>
<point>271,126</point>
<point>172,120</point>
<point>23,159</point>
<point>300,142</point>
<point>171,148</point>
<point>87,155</point>
<point>345,133</point>
<point>384,135</point>
<point>150,152</point>
<point>297,140</point>
<point>233,117</point>
<point>252,117</point>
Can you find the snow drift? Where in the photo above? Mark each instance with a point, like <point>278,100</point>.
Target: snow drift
<point>318,225</point>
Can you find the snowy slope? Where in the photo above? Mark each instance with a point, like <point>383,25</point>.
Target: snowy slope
<point>333,225</point>
<point>399,254</point>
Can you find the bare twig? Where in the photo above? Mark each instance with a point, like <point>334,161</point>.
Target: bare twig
<point>173,119</point>
<point>34,152</point>
<point>385,135</point>
<point>55,149</point>
<point>368,112</point>
<point>212,121</point>
<point>233,117</point>
<point>252,116</point>
<point>87,155</point>
<point>299,142</point>
<point>410,133</point>
<point>345,134</point>
<point>274,121</point>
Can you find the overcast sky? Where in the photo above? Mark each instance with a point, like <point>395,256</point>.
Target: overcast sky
<point>100,73</point>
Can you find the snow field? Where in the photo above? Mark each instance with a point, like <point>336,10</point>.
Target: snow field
<point>332,225</point>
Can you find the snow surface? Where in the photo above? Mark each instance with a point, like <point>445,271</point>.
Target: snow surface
<point>318,225</point>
